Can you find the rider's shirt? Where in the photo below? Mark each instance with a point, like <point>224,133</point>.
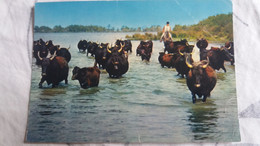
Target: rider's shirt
<point>167,28</point>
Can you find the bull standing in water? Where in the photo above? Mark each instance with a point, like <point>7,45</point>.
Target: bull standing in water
<point>54,70</point>
<point>117,62</point>
<point>217,56</point>
<point>87,76</point>
<point>145,50</point>
<point>201,79</point>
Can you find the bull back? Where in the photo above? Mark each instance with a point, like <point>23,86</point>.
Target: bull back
<point>64,52</point>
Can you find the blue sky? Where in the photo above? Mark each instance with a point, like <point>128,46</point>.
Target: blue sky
<point>132,13</point>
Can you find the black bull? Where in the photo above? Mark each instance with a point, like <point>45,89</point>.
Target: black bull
<point>180,63</point>
<point>145,50</point>
<point>217,57</point>
<point>82,45</point>
<point>117,62</point>
<point>101,56</point>
<point>172,47</point>
<point>39,50</point>
<point>127,45</point>
<point>54,70</point>
<point>201,79</point>
<point>64,52</point>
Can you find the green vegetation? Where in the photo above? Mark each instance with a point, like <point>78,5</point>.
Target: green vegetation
<point>214,28</point>
<point>93,28</point>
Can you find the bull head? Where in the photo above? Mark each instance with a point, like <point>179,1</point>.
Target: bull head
<point>191,66</point>
<point>75,73</point>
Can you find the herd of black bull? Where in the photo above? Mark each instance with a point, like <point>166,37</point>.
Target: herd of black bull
<point>200,76</point>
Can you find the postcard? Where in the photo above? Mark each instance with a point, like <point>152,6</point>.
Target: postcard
<point>133,72</point>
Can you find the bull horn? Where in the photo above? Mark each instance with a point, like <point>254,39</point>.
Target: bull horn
<point>180,52</point>
<point>47,43</point>
<point>109,51</point>
<point>121,47</point>
<point>204,66</point>
<point>229,47</point>
<point>68,48</point>
<point>39,55</point>
<point>187,63</point>
<point>191,53</point>
<point>53,56</point>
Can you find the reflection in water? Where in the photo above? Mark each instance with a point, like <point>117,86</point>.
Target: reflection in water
<point>53,91</point>
<point>203,121</point>
<point>119,81</point>
<point>89,91</point>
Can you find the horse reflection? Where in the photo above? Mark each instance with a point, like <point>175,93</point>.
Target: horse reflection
<point>203,121</point>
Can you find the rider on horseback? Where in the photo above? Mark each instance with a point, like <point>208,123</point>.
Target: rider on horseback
<point>166,35</point>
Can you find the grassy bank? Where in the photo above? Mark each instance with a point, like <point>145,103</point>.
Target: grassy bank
<point>217,28</point>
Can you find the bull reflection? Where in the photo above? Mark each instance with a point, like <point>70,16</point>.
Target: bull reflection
<point>203,122</point>
<point>54,92</point>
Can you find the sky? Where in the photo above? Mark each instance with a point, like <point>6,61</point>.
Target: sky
<point>131,13</point>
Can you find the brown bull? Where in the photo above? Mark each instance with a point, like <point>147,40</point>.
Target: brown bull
<point>201,79</point>
<point>87,76</point>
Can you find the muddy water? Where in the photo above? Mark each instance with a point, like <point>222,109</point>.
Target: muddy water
<point>148,104</point>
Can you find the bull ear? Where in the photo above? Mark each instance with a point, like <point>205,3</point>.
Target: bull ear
<point>58,46</point>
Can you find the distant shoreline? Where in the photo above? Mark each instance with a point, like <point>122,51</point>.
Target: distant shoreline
<point>218,28</point>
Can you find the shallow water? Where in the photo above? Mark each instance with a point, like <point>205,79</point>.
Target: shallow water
<point>148,104</point>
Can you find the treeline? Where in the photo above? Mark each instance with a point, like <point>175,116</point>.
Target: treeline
<point>94,28</point>
<point>214,28</point>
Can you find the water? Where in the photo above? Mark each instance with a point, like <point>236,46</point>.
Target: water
<point>149,104</point>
